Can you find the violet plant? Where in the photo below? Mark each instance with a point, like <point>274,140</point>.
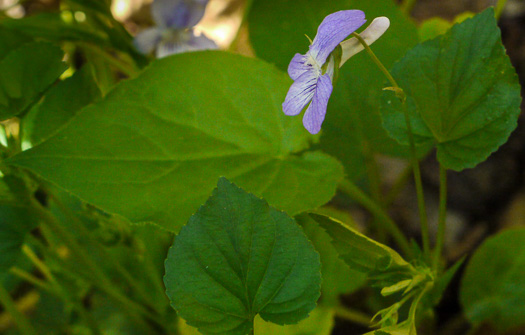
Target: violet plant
<point>180,194</point>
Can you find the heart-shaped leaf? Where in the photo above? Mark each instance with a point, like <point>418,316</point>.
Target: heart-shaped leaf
<point>153,148</point>
<point>236,258</point>
<point>462,93</point>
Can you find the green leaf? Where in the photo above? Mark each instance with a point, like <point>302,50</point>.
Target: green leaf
<point>57,27</point>
<point>153,148</point>
<point>352,129</point>
<point>26,76</point>
<point>360,252</point>
<point>337,277</point>
<point>320,322</point>
<point>432,28</point>
<point>492,288</point>
<point>16,222</point>
<point>462,93</point>
<point>102,31</point>
<point>10,40</point>
<point>436,293</point>
<point>236,258</point>
<point>61,104</point>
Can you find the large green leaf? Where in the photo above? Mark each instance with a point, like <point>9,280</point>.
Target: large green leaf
<point>57,27</point>
<point>493,287</point>
<point>352,125</point>
<point>462,92</point>
<point>153,148</point>
<point>10,40</point>
<point>100,30</point>
<point>61,103</point>
<point>16,221</point>
<point>238,257</point>
<point>25,76</point>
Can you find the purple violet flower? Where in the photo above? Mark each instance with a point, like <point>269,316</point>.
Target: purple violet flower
<point>174,32</point>
<point>313,72</point>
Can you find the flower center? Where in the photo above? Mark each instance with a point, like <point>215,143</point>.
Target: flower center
<point>312,63</point>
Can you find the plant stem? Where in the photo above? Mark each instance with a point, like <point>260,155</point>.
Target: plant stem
<point>413,152</point>
<point>377,61</point>
<point>354,316</point>
<point>31,279</point>
<point>388,224</point>
<point>38,263</point>
<point>442,220</point>
<point>499,8</point>
<point>21,321</point>
<point>407,6</point>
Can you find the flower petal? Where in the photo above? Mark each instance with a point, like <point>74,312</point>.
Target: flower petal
<point>370,35</point>
<point>315,113</point>
<point>178,14</point>
<point>297,66</point>
<point>333,30</point>
<point>183,41</point>
<point>201,42</point>
<point>147,40</point>
<point>300,93</point>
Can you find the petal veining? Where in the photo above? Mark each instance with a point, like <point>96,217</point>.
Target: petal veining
<point>297,66</point>
<point>315,113</point>
<point>300,93</point>
<point>333,30</point>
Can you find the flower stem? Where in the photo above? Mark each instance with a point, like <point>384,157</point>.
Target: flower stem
<point>377,61</point>
<point>413,153</point>
<point>388,224</point>
<point>351,315</point>
<point>21,321</point>
<point>442,220</point>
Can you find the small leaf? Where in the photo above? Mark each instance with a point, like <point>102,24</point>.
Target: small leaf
<point>360,252</point>
<point>435,294</point>
<point>462,93</point>
<point>493,288</point>
<point>152,149</point>
<point>236,258</point>
<point>61,104</point>
<point>337,277</point>
<point>25,76</point>
<point>386,291</point>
